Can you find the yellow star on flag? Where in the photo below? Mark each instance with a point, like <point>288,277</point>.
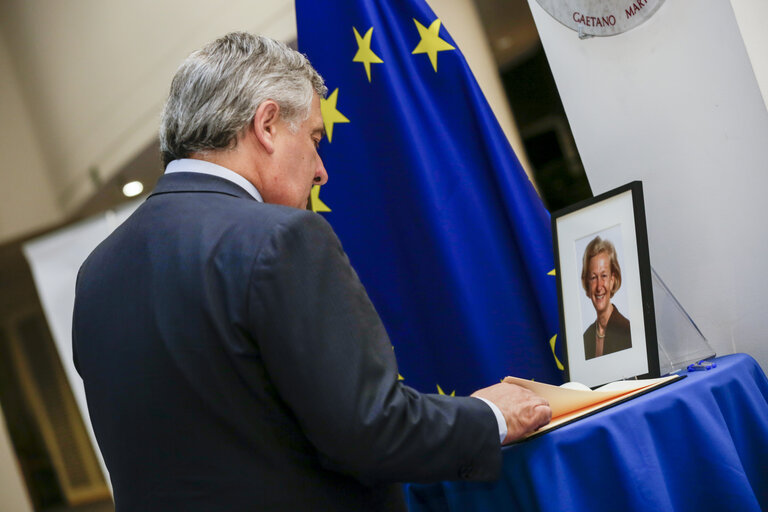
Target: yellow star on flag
<point>315,202</point>
<point>330,114</point>
<point>441,392</point>
<point>364,53</point>
<point>552,272</point>
<point>552,345</point>
<point>430,41</point>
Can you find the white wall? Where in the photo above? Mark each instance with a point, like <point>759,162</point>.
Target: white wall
<point>751,16</point>
<point>675,103</point>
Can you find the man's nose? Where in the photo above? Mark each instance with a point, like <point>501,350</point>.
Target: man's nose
<point>321,176</point>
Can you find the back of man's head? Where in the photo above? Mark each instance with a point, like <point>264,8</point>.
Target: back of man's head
<point>218,88</point>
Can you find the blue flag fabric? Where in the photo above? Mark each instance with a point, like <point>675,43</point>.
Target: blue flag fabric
<point>433,208</point>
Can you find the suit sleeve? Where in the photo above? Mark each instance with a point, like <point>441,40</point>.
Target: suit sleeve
<point>328,355</point>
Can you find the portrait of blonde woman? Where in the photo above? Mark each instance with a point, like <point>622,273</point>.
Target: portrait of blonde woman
<point>601,279</point>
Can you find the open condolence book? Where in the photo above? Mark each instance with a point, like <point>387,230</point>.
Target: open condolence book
<point>572,400</point>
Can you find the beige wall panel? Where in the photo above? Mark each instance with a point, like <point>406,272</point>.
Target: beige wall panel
<point>13,493</point>
<point>95,73</point>
<point>26,197</point>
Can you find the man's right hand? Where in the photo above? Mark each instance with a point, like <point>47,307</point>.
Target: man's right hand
<point>523,410</point>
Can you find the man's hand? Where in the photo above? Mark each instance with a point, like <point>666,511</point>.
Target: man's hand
<point>523,410</point>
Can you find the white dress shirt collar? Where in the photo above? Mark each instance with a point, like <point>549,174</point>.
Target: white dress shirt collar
<point>203,167</point>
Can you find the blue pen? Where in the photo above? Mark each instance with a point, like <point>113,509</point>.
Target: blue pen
<point>701,366</point>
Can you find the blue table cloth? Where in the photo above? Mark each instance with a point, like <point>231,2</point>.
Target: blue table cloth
<point>698,444</point>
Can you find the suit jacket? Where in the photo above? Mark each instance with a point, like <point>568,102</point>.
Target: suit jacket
<point>233,361</point>
<point>617,335</point>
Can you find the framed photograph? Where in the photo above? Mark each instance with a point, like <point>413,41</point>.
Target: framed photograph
<point>607,323</point>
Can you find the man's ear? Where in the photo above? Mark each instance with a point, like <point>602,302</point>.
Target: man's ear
<point>265,124</point>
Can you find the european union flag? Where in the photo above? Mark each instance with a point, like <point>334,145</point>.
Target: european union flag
<point>433,208</point>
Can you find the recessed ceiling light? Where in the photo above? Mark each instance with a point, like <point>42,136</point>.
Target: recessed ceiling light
<point>133,188</point>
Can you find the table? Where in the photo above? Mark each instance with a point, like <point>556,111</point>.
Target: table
<point>698,444</point>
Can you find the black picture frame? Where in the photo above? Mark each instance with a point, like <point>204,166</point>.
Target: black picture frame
<point>628,341</point>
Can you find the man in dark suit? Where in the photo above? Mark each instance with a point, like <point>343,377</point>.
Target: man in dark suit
<point>231,357</point>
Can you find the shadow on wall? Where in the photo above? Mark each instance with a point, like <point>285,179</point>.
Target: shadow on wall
<point>545,131</point>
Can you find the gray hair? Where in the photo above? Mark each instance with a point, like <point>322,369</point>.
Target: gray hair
<point>216,91</point>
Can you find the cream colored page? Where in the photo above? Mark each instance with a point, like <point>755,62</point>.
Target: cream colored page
<point>563,400</point>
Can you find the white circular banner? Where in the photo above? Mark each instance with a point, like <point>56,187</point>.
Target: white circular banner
<point>600,17</point>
